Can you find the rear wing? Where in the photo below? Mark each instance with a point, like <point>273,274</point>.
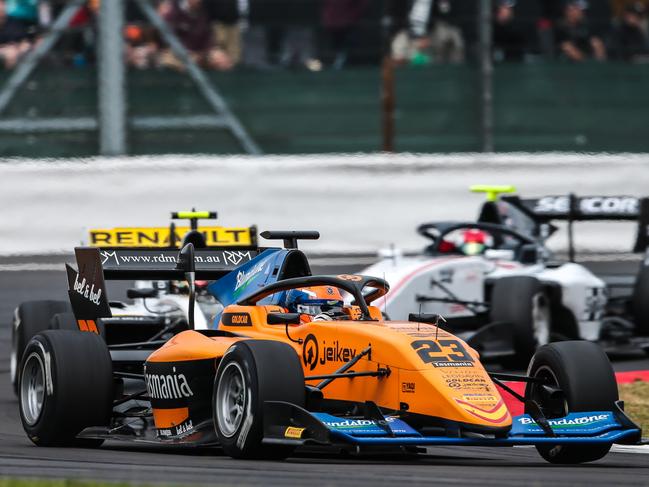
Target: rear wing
<point>87,289</point>
<point>572,208</point>
<point>173,235</point>
<point>170,237</point>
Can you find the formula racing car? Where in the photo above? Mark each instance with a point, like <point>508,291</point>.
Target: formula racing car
<point>299,360</point>
<point>498,285</point>
<point>158,307</point>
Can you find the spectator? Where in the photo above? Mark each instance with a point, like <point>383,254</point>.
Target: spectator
<point>19,29</point>
<point>573,36</point>
<point>509,41</point>
<point>189,21</point>
<point>228,17</point>
<point>629,37</point>
<point>432,34</point>
<point>341,18</point>
<point>141,46</point>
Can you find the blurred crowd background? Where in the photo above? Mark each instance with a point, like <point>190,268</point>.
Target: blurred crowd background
<point>323,76</point>
<point>334,34</point>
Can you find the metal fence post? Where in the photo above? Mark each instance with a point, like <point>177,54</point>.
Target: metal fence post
<point>111,83</point>
<point>486,76</point>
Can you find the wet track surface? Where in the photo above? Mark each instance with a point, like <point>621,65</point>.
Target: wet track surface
<point>122,462</point>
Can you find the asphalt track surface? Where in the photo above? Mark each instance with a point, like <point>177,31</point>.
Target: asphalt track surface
<point>123,462</point>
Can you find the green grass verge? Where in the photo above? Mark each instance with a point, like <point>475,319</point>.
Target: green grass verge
<point>636,403</point>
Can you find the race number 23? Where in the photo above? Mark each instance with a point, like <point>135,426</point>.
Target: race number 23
<point>431,351</point>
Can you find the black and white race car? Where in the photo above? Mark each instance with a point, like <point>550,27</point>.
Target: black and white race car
<point>496,281</point>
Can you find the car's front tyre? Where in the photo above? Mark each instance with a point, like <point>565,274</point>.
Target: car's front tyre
<point>583,372</point>
<point>250,373</point>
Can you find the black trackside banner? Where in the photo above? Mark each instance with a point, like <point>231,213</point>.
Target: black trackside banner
<point>87,289</point>
<point>128,263</point>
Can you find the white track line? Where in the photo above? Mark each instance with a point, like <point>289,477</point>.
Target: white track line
<point>31,266</point>
<point>630,449</point>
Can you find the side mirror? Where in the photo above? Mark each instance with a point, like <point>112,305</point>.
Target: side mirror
<point>187,264</point>
<point>431,318</point>
<point>283,318</point>
<point>145,292</point>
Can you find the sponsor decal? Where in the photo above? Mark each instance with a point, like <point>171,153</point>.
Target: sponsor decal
<point>314,353</point>
<point>356,423</point>
<point>236,319</point>
<point>181,429</point>
<point>293,432</point>
<point>244,277</point>
<point>87,290</point>
<point>408,387</point>
<point>477,397</point>
<point>418,330</point>
<point>440,363</point>
<point>235,257</point>
<point>350,277</point>
<point>145,259</point>
<point>167,386</point>
<point>160,236</point>
<point>443,353</point>
<point>310,352</point>
<point>445,276</point>
<point>590,205</point>
<point>568,423</point>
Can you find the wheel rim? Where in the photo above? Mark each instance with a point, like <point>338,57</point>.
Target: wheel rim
<point>32,389</point>
<point>231,399</point>
<point>540,319</point>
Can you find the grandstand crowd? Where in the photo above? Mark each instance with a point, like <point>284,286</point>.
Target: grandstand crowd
<point>333,34</point>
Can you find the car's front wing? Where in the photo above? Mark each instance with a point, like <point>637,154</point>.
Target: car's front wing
<point>289,424</point>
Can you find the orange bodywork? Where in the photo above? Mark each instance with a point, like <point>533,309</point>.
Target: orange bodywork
<point>431,372</point>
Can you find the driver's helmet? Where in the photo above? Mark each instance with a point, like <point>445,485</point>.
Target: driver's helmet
<point>475,241</point>
<point>319,302</point>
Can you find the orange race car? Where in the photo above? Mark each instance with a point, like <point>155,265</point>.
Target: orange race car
<point>296,359</point>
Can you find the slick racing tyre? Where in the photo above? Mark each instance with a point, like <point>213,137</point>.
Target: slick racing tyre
<point>251,372</point>
<point>66,385</point>
<point>30,318</point>
<point>522,302</point>
<point>640,301</point>
<point>583,372</point>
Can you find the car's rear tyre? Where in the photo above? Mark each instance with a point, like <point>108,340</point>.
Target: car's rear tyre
<point>250,373</point>
<point>30,318</point>
<point>640,301</point>
<point>583,372</point>
<point>66,385</point>
<point>522,302</point>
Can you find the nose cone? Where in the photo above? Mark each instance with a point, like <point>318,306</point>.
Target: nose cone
<point>488,413</point>
<point>463,394</point>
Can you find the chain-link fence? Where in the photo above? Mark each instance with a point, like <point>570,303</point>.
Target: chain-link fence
<point>308,76</point>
